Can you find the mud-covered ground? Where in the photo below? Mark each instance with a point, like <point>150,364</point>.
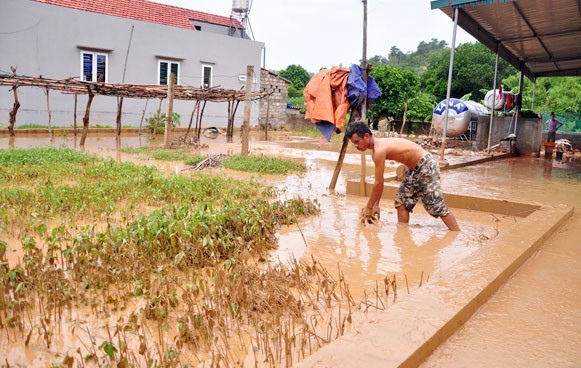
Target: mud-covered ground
<point>530,322</point>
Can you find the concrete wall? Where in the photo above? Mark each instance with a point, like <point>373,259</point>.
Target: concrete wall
<point>529,136</point>
<point>47,40</point>
<point>574,138</point>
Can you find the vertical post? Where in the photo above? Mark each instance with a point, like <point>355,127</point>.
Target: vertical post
<point>533,99</point>
<point>120,99</point>
<point>75,117</point>
<point>247,108</point>
<point>86,118</point>
<point>405,110</point>
<point>47,91</point>
<point>15,107</point>
<point>168,118</point>
<point>449,88</point>
<point>362,186</point>
<point>267,117</point>
<point>363,112</point>
<point>493,100</point>
<point>519,99</point>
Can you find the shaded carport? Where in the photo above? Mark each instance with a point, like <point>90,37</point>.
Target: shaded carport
<point>539,38</point>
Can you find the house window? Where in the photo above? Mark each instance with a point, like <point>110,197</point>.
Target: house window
<point>165,69</point>
<point>207,76</point>
<point>94,66</point>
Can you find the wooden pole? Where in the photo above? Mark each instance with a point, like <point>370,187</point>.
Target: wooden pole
<point>351,117</point>
<point>75,117</point>
<point>196,107</point>
<point>201,115</point>
<point>143,115</point>
<point>405,110</point>
<point>267,117</point>
<point>47,91</point>
<point>118,119</point>
<point>247,108</point>
<point>168,119</point>
<point>15,107</point>
<point>362,187</point>
<point>157,118</point>
<point>86,118</point>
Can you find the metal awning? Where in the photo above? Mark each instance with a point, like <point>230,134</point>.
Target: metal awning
<point>541,38</point>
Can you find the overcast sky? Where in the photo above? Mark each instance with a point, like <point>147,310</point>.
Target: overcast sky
<point>324,33</point>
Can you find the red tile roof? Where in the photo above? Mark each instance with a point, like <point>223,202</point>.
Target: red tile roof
<point>146,11</point>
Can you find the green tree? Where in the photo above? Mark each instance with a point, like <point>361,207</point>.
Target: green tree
<point>473,71</point>
<point>420,107</point>
<point>397,86</point>
<point>377,60</point>
<point>298,76</point>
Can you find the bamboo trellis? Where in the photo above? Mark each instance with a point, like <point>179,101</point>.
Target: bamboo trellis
<point>76,87</point>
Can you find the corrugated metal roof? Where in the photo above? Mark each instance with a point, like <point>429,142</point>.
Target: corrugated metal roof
<point>146,11</point>
<point>541,37</point>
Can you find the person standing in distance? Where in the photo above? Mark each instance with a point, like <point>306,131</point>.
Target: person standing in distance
<point>552,125</point>
<point>422,179</point>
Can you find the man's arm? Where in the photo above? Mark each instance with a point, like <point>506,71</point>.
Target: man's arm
<point>377,189</point>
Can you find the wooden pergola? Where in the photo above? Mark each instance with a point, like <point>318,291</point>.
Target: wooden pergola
<point>123,90</point>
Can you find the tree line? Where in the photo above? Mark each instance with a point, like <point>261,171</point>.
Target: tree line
<point>420,78</point>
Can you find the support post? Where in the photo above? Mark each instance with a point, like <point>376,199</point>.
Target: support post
<point>267,117</point>
<point>405,110</point>
<point>47,92</point>
<point>169,117</point>
<point>493,101</point>
<point>362,186</point>
<point>75,117</point>
<point>518,99</point>
<point>15,107</point>
<point>449,88</point>
<point>86,118</point>
<point>247,108</point>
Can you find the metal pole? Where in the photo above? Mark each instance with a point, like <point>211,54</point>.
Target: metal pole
<point>493,101</point>
<point>518,105</point>
<point>534,90</point>
<point>450,70</point>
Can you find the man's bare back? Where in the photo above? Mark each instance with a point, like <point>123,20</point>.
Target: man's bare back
<point>398,149</point>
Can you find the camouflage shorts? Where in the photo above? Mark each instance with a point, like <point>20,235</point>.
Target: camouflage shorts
<point>423,182</point>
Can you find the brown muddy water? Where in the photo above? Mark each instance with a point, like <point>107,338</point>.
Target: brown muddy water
<point>531,322</point>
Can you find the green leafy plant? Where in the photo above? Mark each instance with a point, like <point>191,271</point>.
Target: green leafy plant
<point>156,121</point>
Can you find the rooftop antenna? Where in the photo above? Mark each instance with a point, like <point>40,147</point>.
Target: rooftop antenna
<point>241,12</point>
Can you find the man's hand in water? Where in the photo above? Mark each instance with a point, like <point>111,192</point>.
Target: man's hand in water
<point>367,217</point>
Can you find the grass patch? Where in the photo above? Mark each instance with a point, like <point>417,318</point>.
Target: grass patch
<point>43,126</point>
<point>162,154</point>
<point>263,164</point>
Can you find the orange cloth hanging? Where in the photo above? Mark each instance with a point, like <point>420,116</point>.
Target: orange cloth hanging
<point>326,97</point>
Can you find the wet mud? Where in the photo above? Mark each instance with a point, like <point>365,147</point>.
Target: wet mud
<point>532,317</point>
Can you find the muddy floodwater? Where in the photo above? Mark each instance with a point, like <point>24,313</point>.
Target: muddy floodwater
<point>533,321</point>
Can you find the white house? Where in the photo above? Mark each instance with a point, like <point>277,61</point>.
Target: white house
<point>120,41</point>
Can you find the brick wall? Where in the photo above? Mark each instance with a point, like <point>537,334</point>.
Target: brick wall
<point>275,104</point>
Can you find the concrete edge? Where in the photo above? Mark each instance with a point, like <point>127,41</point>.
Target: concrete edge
<point>454,323</point>
<point>482,204</point>
<point>427,318</point>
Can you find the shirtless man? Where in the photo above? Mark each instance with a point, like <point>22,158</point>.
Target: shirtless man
<point>422,179</point>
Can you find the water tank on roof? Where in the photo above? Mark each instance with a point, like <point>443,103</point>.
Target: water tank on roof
<point>240,6</point>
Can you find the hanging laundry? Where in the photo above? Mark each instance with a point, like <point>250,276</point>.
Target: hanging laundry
<point>357,89</point>
<point>330,93</point>
<point>326,100</point>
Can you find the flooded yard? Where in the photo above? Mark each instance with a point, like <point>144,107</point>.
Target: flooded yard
<point>529,322</point>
